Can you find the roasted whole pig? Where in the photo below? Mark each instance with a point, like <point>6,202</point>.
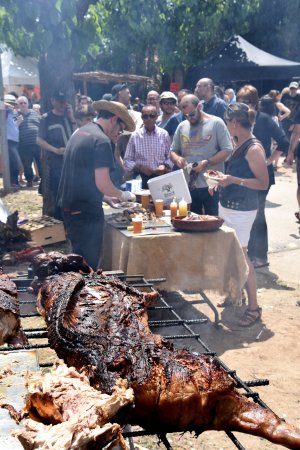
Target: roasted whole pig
<point>10,325</point>
<point>101,324</point>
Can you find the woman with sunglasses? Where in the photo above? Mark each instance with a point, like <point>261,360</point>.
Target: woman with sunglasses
<point>245,175</point>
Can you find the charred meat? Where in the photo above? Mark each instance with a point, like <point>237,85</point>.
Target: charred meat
<point>101,324</point>
<point>10,325</point>
<point>52,263</point>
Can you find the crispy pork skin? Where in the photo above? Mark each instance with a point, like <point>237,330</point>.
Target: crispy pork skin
<point>101,324</point>
<point>52,263</point>
<point>10,325</point>
<point>67,413</point>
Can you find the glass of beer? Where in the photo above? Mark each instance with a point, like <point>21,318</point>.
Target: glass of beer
<point>159,207</point>
<point>145,199</point>
<point>137,223</point>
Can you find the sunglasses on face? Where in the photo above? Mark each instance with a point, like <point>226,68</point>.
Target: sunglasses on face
<point>190,115</point>
<point>166,102</point>
<point>149,116</point>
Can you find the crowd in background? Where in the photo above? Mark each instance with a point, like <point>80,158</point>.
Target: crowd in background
<point>208,129</point>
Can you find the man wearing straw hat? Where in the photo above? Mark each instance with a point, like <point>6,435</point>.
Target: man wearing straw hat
<point>85,178</point>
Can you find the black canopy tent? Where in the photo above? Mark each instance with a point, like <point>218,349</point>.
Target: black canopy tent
<point>238,60</point>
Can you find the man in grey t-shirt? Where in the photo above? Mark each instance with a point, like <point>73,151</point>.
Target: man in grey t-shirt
<point>204,141</point>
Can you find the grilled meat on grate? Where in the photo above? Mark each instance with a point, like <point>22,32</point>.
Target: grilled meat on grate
<point>101,324</point>
<point>10,325</point>
<point>46,264</point>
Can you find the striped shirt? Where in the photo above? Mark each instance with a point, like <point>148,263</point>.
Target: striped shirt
<point>29,128</point>
<point>149,149</point>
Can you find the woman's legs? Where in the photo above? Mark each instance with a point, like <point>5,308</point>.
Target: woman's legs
<point>253,312</point>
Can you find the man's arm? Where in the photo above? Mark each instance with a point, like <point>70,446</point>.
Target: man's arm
<point>50,148</point>
<point>104,183</point>
<point>293,143</point>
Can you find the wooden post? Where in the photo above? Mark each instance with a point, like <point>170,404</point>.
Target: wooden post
<point>3,138</point>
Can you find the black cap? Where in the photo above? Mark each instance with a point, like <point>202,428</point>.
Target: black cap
<point>59,95</point>
<point>116,89</point>
<point>107,97</point>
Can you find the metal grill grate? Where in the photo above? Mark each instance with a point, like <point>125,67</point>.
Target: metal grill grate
<point>169,318</point>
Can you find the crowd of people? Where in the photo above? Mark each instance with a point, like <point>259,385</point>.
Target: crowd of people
<point>87,155</point>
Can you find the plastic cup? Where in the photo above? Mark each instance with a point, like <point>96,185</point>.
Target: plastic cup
<point>159,208</point>
<point>145,199</point>
<point>137,223</point>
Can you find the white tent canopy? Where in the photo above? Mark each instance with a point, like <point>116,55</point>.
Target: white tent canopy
<point>18,70</point>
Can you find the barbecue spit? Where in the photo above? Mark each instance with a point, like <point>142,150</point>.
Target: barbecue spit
<point>100,324</point>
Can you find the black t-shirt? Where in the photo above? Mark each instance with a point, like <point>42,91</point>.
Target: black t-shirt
<point>56,130</point>
<point>88,149</point>
<point>292,103</point>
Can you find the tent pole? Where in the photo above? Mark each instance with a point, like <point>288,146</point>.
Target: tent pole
<point>3,139</point>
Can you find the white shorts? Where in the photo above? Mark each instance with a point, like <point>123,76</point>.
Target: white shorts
<point>240,221</point>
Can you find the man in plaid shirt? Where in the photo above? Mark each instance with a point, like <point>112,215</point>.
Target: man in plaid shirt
<point>148,150</point>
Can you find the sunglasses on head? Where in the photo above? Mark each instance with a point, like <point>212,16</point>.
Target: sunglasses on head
<point>149,116</point>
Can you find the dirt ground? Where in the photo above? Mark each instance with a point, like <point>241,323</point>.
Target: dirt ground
<point>270,349</point>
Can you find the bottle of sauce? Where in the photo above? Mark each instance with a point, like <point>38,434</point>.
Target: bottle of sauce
<point>182,208</point>
<point>173,208</point>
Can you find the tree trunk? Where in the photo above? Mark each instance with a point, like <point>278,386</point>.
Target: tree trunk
<point>56,72</point>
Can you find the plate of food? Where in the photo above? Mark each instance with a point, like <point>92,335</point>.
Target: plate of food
<point>212,177</point>
<point>197,222</point>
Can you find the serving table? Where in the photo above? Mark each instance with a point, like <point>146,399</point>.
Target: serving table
<point>190,261</point>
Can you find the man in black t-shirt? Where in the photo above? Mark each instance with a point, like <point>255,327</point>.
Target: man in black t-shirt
<point>56,128</point>
<point>85,178</point>
<point>292,101</point>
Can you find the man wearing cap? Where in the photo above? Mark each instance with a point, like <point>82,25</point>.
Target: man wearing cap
<point>148,150</point>
<point>121,93</point>
<point>205,91</point>
<point>85,178</point>
<point>292,101</point>
<point>168,102</point>
<point>56,128</point>
<point>12,135</point>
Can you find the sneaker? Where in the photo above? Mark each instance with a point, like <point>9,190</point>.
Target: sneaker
<point>29,184</point>
<point>259,262</point>
<point>36,179</point>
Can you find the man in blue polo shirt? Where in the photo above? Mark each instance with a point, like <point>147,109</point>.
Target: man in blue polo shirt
<point>212,104</point>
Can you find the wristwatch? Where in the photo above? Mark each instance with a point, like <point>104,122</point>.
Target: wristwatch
<point>242,182</point>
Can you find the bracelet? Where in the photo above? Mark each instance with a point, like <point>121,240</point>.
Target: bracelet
<point>242,182</point>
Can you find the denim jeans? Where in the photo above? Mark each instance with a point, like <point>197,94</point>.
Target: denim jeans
<point>203,202</point>
<point>85,232</point>
<point>14,161</point>
<point>30,153</point>
<point>258,243</point>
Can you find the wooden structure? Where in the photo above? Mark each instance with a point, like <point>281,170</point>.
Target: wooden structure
<point>103,77</point>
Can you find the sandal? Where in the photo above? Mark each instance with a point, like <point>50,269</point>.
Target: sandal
<point>250,317</point>
<point>297,215</point>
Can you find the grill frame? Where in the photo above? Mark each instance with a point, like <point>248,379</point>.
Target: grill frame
<point>138,281</point>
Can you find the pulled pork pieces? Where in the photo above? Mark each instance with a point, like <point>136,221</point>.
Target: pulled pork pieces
<point>10,325</point>
<point>101,324</point>
<point>67,413</point>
